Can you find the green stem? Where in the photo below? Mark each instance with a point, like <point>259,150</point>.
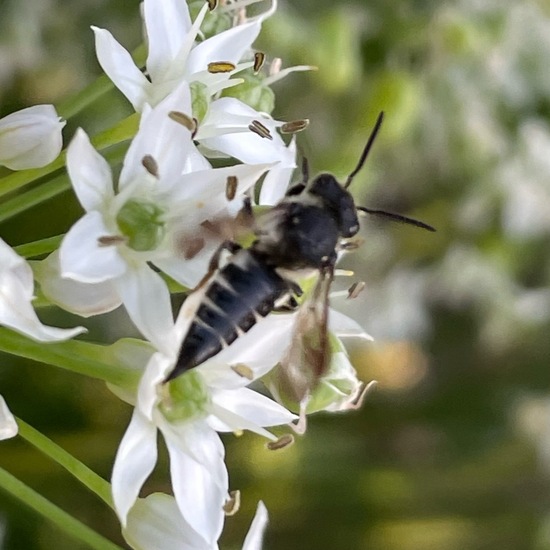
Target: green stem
<point>53,513</point>
<point>81,472</point>
<point>92,360</point>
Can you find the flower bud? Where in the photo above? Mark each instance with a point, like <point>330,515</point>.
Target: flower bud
<point>30,138</point>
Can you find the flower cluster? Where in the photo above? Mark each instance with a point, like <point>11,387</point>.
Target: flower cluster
<point>147,227</point>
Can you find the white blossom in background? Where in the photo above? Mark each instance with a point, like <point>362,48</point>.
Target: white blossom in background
<point>31,137</point>
<point>8,425</point>
<point>166,190</point>
<point>16,295</point>
<point>189,411</point>
<point>156,522</point>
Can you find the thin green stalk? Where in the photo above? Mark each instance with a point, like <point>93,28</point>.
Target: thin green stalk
<point>92,360</point>
<point>37,248</point>
<point>81,472</point>
<point>65,522</point>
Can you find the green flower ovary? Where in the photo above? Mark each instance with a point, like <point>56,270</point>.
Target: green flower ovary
<point>200,100</point>
<point>142,222</point>
<point>189,397</point>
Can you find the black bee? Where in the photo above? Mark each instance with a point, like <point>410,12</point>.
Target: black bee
<point>301,233</point>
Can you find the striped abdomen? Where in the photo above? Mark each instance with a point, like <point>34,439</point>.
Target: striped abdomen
<point>239,293</point>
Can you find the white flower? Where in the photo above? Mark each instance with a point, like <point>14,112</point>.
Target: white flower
<point>166,190</point>
<point>8,425</point>
<point>16,294</point>
<point>223,124</point>
<point>188,412</point>
<point>30,138</point>
<point>173,55</point>
<point>155,522</point>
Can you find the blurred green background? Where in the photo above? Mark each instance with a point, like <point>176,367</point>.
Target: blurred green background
<point>452,451</point>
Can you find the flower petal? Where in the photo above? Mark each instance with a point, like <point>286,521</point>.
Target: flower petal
<point>247,147</point>
<point>147,300</point>
<point>276,182</point>
<point>229,45</point>
<point>84,299</point>
<point>273,333</point>
<point>83,258</point>
<point>155,373</point>
<point>8,425</point>
<point>345,326</point>
<point>200,486</point>
<point>162,138</point>
<point>249,410</point>
<point>90,173</point>
<point>120,68</point>
<point>167,24</point>
<point>135,460</point>
<point>16,311</point>
<point>155,522</point>
<point>30,138</point>
<point>255,535</point>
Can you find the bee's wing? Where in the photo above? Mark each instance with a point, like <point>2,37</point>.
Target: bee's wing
<point>308,357</point>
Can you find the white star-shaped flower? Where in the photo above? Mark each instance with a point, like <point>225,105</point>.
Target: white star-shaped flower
<point>189,412</point>
<point>166,189</point>
<point>173,53</point>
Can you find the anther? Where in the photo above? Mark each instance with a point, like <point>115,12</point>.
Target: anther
<point>355,289</point>
<point>258,128</point>
<point>221,67</point>
<point>212,4</point>
<point>185,120</point>
<point>243,371</point>
<point>294,126</point>
<point>233,503</point>
<point>283,441</point>
<point>111,240</point>
<point>150,164</point>
<point>259,58</point>
<point>231,187</point>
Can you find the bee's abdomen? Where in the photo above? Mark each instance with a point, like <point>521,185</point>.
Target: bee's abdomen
<point>244,290</point>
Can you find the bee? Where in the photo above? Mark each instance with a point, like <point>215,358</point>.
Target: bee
<point>303,233</point>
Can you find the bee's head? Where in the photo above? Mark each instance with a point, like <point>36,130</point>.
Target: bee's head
<point>338,201</point>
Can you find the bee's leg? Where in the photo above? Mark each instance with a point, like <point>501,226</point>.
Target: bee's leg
<point>214,263</point>
<point>289,303</point>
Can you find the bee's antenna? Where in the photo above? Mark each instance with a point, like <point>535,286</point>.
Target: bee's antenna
<point>397,218</point>
<point>366,150</point>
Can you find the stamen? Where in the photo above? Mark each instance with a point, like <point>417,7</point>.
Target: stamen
<point>283,441</point>
<point>231,187</point>
<point>233,503</point>
<point>357,403</point>
<point>243,371</point>
<point>212,4</point>
<point>185,120</point>
<point>294,126</point>
<point>191,246</point>
<point>259,58</point>
<point>258,128</point>
<point>150,164</point>
<point>355,289</point>
<point>221,67</point>
<point>111,240</point>
<point>277,74</point>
